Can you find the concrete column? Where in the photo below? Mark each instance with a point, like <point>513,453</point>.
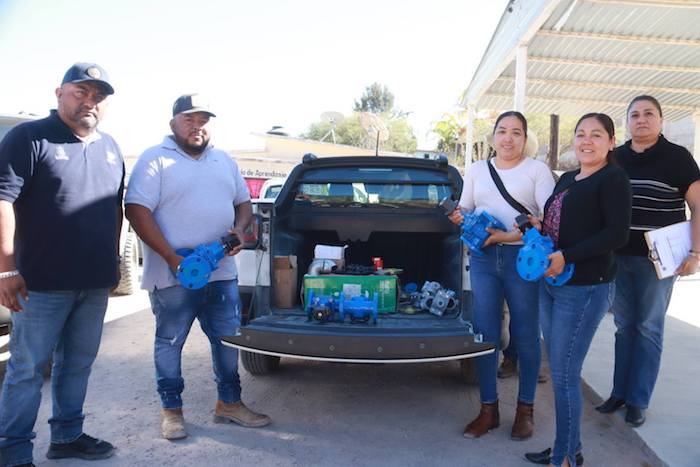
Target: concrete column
<point>469,147</point>
<point>520,78</point>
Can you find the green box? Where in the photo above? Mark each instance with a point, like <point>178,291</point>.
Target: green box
<point>353,286</point>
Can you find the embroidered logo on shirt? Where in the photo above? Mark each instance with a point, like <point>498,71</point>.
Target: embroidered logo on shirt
<point>111,158</point>
<point>60,154</point>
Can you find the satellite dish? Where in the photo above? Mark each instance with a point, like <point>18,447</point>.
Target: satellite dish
<point>375,128</point>
<point>333,118</point>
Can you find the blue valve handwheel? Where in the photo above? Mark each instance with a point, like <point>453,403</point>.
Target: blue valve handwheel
<point>194,272</point>
<point>531,263</point>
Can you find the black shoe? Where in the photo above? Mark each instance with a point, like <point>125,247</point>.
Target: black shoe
<point>545,457</point>
<point>635,416</point>
<point>86,447</point>
<point>610,405</point>
<point>25,465</point>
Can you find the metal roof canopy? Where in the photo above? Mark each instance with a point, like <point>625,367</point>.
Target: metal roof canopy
<point>577,56</point>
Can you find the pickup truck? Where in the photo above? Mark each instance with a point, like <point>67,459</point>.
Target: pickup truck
<point>384,207</point>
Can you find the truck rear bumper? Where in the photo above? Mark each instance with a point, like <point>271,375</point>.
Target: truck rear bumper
<point>358,348</point>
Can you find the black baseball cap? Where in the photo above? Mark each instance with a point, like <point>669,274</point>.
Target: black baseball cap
<point>81,72</point>
<point>191,103</point>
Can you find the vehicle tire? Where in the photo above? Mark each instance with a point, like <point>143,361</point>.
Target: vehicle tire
<point>4,347</point>
<point>5,332</point>
<point>129,266</point>
<point>467,371</point>
<point>259,364</point>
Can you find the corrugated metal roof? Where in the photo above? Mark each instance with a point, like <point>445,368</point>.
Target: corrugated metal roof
<point>594,55</point>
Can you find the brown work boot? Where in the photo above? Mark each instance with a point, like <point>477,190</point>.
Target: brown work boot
<point>486,421</point>
<point>508,368</point>
<point>172,424</point>
<point>240,414</point>
<point>524,423</point>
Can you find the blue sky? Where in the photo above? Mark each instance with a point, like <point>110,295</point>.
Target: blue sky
<point>260,63</point>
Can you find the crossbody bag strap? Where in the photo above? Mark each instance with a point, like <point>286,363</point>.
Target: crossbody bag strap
<point>509,199</point>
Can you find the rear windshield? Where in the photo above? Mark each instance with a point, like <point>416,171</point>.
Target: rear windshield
<point>369,187</point>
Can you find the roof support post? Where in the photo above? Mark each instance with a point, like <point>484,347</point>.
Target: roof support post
<point>696,136</point>
<point>469,147</point>
<point>520,78</point>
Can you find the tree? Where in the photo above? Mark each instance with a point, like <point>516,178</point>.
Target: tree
<point>451,130</point>
<point>350,132</point>
<point>376,99</point>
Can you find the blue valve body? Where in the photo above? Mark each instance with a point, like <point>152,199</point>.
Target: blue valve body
<point>359,308</point>
<point>321,307</point>
<point>533,259</point>
<point>474,232</point>
<point>195,270</point>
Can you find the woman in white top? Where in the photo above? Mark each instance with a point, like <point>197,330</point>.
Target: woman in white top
<point>493,273</point>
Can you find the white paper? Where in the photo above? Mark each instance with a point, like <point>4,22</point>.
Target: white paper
<point>329,252</point>
<point>668,247</point>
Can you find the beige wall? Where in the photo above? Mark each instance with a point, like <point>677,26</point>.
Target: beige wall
<point>282,153</point>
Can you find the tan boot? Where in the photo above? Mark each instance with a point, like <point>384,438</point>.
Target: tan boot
<point>523,425</point>
<point>487,420</point>
<point>172,424</point>
<point>240,414</point>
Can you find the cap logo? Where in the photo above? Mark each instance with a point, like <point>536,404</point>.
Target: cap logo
<point>93,72</point>
<point>197,101</point>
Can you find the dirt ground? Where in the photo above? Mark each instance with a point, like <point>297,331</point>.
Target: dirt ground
<point>323,414</point>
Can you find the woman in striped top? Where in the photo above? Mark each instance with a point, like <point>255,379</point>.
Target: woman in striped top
<point>664,177</point>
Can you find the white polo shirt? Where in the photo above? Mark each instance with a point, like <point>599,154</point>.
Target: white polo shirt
<point>192,201</point>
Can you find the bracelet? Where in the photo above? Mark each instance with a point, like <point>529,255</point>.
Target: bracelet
<point>8,274</point>
<point>694,253</point>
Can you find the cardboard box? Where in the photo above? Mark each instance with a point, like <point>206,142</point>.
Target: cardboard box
<point>352,286</point>
<point>285,274</point>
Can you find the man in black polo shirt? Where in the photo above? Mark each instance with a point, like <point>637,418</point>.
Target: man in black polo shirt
<point>61,184</point>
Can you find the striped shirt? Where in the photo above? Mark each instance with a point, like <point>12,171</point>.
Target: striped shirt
<point>659,177</point>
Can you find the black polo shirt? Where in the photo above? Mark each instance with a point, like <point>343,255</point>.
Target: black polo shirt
<point>660,177</point>
<point>67,196</point>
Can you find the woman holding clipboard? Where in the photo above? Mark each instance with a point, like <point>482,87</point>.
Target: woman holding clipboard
<point>663,177</point>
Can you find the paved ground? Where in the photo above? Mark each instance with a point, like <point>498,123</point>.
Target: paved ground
<point>673,418</point>
<point>323,414</point>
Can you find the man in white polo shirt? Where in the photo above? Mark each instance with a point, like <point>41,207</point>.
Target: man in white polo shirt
<point>182,193</point>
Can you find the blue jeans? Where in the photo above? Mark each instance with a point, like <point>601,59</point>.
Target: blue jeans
<point>640,311</point>
<point>570,316</point>
<point>217,306</point>
<point>67,324</point>
<point>494,277</point>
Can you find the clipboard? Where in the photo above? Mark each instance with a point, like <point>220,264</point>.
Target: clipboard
<point>668,247</point>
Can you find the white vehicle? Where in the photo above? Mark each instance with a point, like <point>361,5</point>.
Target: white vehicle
<point>271,188</point>
<point>7,121</point>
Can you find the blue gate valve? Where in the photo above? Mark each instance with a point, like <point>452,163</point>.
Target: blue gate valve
<point>359,308</point>
<point>533,259</point>
<point>321,307</point>
<point>474,226</point>
<point>195,269</point>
